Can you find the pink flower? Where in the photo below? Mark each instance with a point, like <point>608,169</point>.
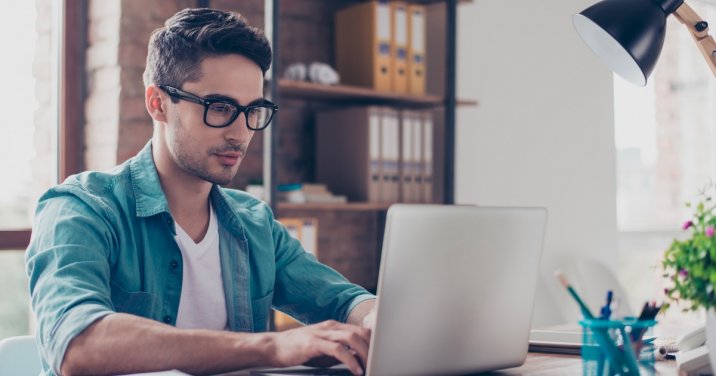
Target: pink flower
<point>687,224</point>
<point>709,231</point>
<point>683,273</point>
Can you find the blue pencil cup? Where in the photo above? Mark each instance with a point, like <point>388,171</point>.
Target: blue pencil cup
<point>616,347</point>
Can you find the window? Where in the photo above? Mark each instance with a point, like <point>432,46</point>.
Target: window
<point>29,137</point>
<point>666,134</point>
<point>665,138</point>
<point>26,138</point>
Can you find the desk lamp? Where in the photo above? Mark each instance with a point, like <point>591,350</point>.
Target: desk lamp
<point>628,34</point>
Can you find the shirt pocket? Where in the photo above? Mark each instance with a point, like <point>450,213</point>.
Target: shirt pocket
<point>260,308</point>
<point>137,303</point>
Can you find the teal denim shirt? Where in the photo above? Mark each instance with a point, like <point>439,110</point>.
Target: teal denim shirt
<point>104,243</point>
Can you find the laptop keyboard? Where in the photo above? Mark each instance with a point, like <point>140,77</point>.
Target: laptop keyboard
<point>316,371</point>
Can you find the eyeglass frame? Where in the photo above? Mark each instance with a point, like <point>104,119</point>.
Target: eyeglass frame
<point>206,102</point>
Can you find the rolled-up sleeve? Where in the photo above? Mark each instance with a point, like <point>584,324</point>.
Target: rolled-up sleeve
<point>68,264</point>
<point>308,290</point>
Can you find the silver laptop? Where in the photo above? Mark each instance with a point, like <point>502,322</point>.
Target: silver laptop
<point>456,290</point>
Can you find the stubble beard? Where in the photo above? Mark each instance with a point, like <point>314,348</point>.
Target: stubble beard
<point>195,162</point>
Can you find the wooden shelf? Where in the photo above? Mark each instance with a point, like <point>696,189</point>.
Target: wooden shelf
<point>346,93</point>
<point>467,102</point>
<point>439,1</point>
<point>355,206</point>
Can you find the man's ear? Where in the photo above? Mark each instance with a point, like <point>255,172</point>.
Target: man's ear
<point>156,102</point>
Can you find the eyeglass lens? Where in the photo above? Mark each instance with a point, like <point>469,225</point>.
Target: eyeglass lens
<point>220,114</point>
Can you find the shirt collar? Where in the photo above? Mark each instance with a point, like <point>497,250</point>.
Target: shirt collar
<point>224,211</point>
<point>148,193</point>
<point>149,196</point>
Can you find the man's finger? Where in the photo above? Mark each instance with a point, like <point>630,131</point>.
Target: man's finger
<point>354,341</point>
<point>339,351</point>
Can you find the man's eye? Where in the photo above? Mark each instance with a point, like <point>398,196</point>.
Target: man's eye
<point>221,107</point>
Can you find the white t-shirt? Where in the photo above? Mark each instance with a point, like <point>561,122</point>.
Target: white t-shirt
<point>202,304</point>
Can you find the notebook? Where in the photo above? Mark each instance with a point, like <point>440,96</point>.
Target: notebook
<point>558,339</point>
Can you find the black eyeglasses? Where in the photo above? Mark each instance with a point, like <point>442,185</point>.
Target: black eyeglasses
<point>219,113</point>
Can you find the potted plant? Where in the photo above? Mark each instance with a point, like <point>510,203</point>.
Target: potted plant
<point>690,264</point>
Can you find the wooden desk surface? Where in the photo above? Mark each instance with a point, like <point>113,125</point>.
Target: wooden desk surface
<point>548,364</point>
<point>553,364</point>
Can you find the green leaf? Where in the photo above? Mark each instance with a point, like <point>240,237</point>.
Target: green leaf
<point>696,255</point>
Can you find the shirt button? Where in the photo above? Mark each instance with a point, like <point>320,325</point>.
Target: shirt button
<point>167,319</point>
<point>174,264</point>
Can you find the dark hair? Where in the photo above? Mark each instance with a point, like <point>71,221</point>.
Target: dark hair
<point>187,38</point>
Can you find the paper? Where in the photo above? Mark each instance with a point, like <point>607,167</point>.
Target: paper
<point>161,373</point>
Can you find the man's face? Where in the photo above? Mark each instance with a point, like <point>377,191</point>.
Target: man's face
<point>214,154</point>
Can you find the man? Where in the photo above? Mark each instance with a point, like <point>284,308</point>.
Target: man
<point>153,266</point>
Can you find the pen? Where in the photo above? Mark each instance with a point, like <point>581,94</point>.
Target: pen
<point>600,335</point>
<point>648,312</point>
<point>606,310</point>
<point>644,311</point>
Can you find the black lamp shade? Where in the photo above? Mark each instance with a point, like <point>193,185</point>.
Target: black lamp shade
<point>627,34</point>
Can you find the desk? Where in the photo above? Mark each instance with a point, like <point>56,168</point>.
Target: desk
<point>549,365</point>
<point>567,365</point>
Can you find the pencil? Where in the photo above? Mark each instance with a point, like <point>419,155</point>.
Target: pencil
<point>563,280</point>
<point>616,358</point>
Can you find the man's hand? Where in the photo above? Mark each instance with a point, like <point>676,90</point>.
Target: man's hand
<point>369,319</point>
<point>363,314</point>
<point>346,343</point>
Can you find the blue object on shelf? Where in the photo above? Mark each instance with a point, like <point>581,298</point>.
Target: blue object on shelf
<point>289,187</point>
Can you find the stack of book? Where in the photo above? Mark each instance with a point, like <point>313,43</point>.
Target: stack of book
<point>376,153</point>
<point>300,193</point>
<point>381,45</point>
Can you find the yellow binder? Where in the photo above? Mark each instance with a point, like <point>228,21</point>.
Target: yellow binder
<point>399,47</point>
<point>416,49</point>
<point>363,37</point>
<point>305,230</point>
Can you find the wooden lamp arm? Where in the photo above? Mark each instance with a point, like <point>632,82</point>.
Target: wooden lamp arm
<point>700,32</point>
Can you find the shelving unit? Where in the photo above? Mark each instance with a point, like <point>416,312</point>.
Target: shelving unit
<point>367,214</point>
<point>353,94</point>
<point>355,206</point>
<point>356,95</point>
<point>280,88</point>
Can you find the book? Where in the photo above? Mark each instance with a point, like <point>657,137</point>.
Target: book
<point>363,45</point>
<point>349,152</point>
<point>298,193</point>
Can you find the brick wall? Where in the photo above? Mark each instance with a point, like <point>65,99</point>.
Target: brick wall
<point>116,122</point>
<point>103,85</point>
<point>117,125</point>
<point>348,241</point>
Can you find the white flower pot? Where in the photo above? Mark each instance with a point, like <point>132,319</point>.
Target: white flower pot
<point>711,335</point>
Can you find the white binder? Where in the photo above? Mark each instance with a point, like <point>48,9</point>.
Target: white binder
<point>390,153</point>
<point>427,149</point>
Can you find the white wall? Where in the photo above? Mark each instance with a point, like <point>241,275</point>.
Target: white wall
<point>542,134</point>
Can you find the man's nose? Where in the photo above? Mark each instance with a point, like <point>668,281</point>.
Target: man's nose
<point>237,132</point>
